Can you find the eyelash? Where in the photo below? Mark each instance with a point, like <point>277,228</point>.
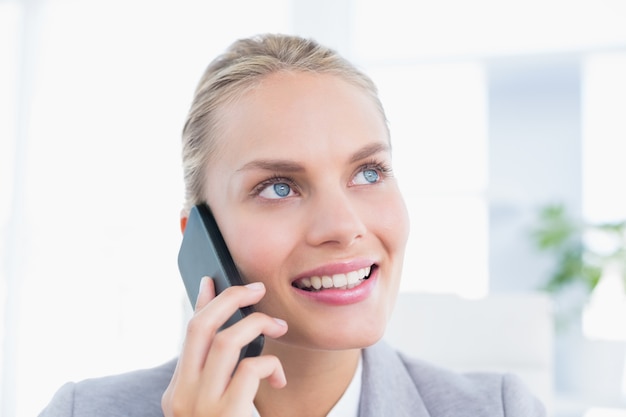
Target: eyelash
<point>274,179</point>
<point>382,168</point>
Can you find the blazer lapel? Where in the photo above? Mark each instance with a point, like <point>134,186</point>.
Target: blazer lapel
<point>387,388</point>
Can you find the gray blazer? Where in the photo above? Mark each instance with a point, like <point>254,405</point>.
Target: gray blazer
<point>393,386</point>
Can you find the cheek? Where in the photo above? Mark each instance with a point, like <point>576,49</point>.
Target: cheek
<point>391,222</point>
<point>260,248</point>
<point>263,253</point>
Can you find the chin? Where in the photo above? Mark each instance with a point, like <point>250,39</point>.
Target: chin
<point>353,337</point>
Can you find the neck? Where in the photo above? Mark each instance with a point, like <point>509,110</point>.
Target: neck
<point>316,380</point>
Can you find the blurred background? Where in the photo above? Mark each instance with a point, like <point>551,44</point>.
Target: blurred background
<point>497,110</point>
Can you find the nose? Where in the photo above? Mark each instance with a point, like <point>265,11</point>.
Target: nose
<point>335,219</point>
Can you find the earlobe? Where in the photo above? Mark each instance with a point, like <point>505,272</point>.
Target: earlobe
<point>183,221</point>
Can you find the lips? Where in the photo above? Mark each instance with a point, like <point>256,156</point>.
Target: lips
<point>341,281</point>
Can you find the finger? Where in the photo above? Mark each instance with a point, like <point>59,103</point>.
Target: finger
<point>205,323</point>
<point>245,382</point>
<point>251,371</point>
<point>206,293</point>
<point>226,347</point>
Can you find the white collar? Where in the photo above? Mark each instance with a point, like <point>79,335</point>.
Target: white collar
<point>348,404</point>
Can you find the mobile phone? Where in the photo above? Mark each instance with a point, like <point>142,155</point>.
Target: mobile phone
<point>203,252</point>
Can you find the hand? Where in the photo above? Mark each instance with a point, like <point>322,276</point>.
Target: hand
<point>203,383</point>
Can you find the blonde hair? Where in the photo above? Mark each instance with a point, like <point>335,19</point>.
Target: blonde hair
<point>238,69</point>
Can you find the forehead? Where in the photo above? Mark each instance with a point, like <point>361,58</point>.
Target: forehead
<point>299,110</point>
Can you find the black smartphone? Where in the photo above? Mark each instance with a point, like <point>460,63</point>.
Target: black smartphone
<point>203,252</point>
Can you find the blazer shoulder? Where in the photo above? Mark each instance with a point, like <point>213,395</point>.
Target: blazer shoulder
<point>136,393</point>
<point>448,393</point>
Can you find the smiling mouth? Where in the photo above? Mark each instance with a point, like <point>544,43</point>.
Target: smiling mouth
<point>337,281</point>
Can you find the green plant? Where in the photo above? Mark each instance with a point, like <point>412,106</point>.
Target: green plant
<point>571,242</point>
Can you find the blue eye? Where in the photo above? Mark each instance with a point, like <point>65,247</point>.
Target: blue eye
<point>371,175</point>
<point>276,190</point>
<point>367,176</point>
<point>282,189</point>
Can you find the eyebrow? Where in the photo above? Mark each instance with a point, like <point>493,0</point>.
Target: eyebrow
<point>272,165</point>
<point>283,165</point>
<point>370,150</point>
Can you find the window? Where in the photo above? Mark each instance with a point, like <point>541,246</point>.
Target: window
<point>604,171</point>
<point>438,122</point>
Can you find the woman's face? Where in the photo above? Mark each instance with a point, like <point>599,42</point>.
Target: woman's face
<point>302,190</point>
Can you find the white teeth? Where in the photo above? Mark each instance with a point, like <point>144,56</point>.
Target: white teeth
<point>344,281</point>
<point>353,277</point>
<point>327,281</point>
<point>316,282</point>
<point>340,280</point>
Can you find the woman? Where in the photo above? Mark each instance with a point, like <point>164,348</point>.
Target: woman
<point>288,145</point>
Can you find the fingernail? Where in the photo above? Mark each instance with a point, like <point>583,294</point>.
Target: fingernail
<point>280,321</point>
<point>202,285</point>
<point>255,286</point>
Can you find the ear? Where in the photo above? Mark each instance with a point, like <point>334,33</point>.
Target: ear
<point>183,220</point>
